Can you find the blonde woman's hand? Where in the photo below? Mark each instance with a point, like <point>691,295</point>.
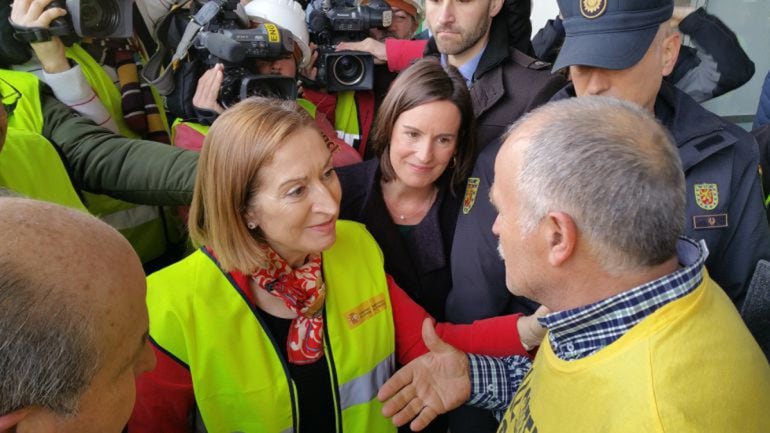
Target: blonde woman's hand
<point>530,331</point>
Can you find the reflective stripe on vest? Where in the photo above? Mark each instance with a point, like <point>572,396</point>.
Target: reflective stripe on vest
<point>147,236</point>
<point>198,316</point>
<point>30,165</point>
<point>346,118</point>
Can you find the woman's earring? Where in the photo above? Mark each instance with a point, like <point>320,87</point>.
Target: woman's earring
<point>251,225</point>
<point>453,163</point>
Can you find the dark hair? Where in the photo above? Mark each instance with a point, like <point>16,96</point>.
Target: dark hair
<point>423,82</point>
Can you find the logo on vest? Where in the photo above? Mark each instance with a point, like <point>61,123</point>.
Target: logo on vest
<point>470,194</point>
<point>592,8</point>
<point>365,311</point>
<point>706,195</point>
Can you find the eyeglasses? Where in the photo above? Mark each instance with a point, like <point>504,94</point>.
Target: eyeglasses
<point>10,99</point>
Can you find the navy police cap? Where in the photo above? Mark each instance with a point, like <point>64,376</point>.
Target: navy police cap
<point>609,34</point>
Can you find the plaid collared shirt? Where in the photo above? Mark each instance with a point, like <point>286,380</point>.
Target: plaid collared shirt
<point>580,332</point>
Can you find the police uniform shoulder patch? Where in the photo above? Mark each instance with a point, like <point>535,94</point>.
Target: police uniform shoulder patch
<point>592,8</point>
<point>470,194</point>
<point>706,195</point>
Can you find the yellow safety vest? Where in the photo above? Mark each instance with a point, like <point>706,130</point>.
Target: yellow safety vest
<point>142,225</point>
<point>346,118</point>
<point>200,317</point>
<point>29,163</point>
<point>690,367</point>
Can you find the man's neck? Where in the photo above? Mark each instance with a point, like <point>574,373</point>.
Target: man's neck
<point>462,58</point>
<point>587,289</point>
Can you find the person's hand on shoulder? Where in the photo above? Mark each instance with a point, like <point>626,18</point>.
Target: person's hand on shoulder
<point>531,332</point>
<point>33,14</point>
<point>430,385</point>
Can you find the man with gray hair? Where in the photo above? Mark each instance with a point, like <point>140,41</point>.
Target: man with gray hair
<point>639,338</point>
<point>73,328</point>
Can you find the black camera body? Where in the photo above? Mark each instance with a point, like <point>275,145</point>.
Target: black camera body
<point>329,24</point>
<point>94,18</point>
<point>233,47</point>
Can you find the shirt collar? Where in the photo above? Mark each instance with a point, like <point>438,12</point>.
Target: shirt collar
<point>468,68</point>
<point>578,332</point>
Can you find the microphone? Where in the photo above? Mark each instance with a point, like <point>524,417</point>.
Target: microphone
<point>223,47</point>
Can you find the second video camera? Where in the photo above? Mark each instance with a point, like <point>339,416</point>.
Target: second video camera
<point>331,23</point>
<point>94,18</point>
<point>233,47</point>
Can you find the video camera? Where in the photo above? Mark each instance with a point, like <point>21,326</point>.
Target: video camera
<point>331,23</point>
<point>232,47</point>
<point>93,18</point>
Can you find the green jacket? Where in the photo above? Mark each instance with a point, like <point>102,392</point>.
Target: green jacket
<point>99,161</point>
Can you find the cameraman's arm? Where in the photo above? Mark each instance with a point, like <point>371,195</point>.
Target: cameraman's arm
<point>397,53</point>
<point>402,52</point>
<point>32,14</point>
<point>207,90</point>
<point>68,82</point>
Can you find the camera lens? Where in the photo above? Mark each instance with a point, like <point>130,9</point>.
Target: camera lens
<point>99,18</point>
<point>348,69</point>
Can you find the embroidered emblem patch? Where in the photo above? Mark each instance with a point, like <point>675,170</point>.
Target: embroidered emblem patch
<point>365,311</point>
<point>592,8</point>
<point>717,221</point>
<point>706,195</point>
<point>470,194</point>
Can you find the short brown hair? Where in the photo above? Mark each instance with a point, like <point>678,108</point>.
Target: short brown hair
<point>423,82</point>
<point>240,142</point>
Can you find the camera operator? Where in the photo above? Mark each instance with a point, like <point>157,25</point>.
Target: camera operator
<point>351,110</point>
<point>107,91</point>
<point>286,15</point>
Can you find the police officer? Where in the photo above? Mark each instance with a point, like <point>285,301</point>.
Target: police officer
<point>625,50</point>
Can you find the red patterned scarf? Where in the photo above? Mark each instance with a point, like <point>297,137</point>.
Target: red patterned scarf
<point>303,291</point>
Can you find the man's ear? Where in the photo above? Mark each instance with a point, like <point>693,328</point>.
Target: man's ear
<point>561,235</point>
<point>11,420</point>
<point>494,7</point>
<point>669,51</point>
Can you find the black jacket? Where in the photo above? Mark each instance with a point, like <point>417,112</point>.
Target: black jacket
<point>507,83</point>
<point>419,263</point>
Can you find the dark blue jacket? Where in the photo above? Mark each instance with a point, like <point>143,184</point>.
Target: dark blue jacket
<point>763,109</point>
<point>713,152</point>
<point>419,263</point>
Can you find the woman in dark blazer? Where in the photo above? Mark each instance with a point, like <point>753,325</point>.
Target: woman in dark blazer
<point>407,196</point>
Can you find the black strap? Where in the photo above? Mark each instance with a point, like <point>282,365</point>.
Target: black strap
<point>36,34</point>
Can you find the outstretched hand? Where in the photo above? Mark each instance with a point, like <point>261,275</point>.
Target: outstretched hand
<point>430,385</point>
<point>33,13</point>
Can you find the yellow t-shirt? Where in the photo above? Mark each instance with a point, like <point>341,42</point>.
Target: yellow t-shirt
<point>691,366</point>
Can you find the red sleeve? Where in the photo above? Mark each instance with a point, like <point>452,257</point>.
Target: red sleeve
<point>344,154</point>
<point>187,138</point>
<point>325,103</point>
<point>402,52</point>
<point>164,398</point>
<point>496,336</point>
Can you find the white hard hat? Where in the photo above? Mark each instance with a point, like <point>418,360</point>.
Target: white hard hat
<point>286,14</point>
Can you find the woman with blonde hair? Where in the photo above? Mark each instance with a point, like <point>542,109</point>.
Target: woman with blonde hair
<point>284,319</point>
